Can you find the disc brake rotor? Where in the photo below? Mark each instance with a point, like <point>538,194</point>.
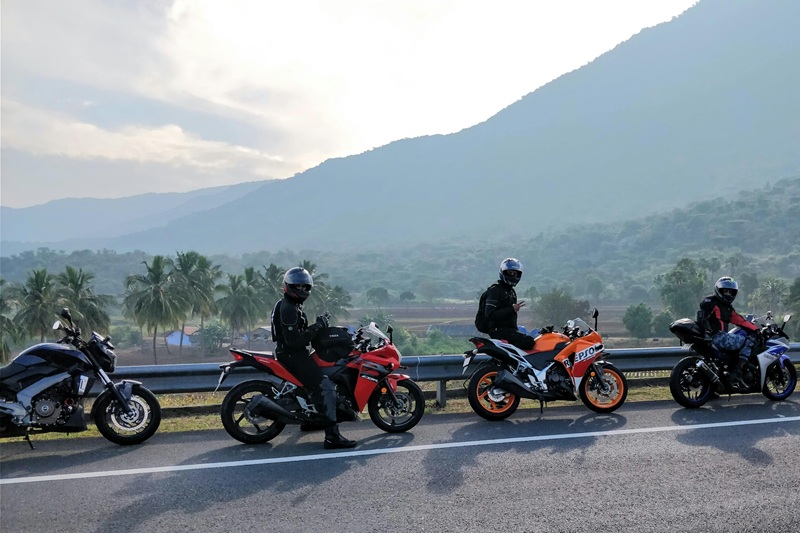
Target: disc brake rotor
<point>134,421</point>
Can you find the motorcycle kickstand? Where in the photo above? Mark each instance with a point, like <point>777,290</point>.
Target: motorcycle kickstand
<point>28,438</point>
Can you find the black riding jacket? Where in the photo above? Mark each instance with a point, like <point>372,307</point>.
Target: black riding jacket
<point>290,330</point>
<point>500,300</point>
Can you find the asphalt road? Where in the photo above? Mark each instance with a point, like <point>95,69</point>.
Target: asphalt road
<point>731,466</point>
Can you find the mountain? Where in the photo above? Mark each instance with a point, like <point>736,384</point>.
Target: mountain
<point>750,234</point>
<point>703,105</point>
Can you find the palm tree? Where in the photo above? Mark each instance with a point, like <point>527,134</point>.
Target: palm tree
<point>337,300</point>
<point>8,330</point>
<point>88,309</point>
<point>273,283</point>
<point>770,293</point>
<point>257,288</point>
<point>154,299</point>
<point>208,305</point>
<point>38,300</point>
<point>316,301</point>
<point>238,303</point>
<point>196,280</point>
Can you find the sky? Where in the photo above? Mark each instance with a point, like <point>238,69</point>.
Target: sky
<point>114,98</point>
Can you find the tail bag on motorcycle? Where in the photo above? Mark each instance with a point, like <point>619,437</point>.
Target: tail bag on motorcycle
<point>686,330</point>
<point>333,343</point>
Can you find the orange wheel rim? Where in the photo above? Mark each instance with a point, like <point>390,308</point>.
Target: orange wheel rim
<point>484,386</point>
<point>614,396</point>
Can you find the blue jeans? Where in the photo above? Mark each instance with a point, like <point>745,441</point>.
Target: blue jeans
<point>739,341</point>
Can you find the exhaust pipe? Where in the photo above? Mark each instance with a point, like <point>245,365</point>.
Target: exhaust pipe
<point>262,405</point>
<point>509,382</point>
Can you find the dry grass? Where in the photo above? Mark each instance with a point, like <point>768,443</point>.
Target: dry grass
<point>174,421</point>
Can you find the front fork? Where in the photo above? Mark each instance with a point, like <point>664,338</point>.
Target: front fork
<point>389,387</point>
<point>597,368</point>
<point>123,392</point>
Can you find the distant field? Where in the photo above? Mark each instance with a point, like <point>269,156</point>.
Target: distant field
<point>416,318</point>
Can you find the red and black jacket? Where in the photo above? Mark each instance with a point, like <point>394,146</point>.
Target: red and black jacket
<point>720,315</point>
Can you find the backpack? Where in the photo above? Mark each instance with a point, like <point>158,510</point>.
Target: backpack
<point>482,324</point>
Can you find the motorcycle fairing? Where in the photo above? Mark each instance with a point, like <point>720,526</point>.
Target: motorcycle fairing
<point>267,361</point>
<point>775,350</point>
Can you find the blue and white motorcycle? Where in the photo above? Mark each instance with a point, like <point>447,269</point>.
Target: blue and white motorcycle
<point>707,370</point>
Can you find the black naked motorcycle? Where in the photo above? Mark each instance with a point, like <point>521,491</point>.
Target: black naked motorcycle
<point>43,389</point>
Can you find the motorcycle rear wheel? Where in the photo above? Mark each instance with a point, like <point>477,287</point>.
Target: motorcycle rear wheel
<point>246,428</point>
<point>780,382</point>
<point>689,385</point>
<point>400,416</point>
<point>122,428</point>
<point>487,401</point>
<point>593,396</point>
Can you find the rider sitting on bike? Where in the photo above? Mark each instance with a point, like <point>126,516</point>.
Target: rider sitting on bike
<point>502,307</point>
<point>719,314</point>
<point>292,335</point>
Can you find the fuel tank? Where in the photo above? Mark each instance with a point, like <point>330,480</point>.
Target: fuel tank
<point>40,361</point>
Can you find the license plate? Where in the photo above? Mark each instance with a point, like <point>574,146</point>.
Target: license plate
<point>467,361</point>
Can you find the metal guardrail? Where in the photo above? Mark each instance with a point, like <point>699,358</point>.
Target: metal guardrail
<point>203,377</point>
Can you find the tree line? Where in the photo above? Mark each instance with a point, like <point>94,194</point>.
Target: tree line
<point>191,287</point>
<point>169,292</point>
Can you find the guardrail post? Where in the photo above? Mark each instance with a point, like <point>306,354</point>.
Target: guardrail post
<point>441,393</point>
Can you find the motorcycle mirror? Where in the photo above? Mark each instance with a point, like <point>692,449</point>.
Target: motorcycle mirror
<point>57,325</point>
<point>595,314</point>
<point>65,314</point>
<point>786,319</point>
<point>389,330</point>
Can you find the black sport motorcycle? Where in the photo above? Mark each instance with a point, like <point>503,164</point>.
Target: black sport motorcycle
<point>43,390</point>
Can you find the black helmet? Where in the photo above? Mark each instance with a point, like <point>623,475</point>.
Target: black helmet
<point>726,288</point>
<point>510,271</point>
<point>297,283</point>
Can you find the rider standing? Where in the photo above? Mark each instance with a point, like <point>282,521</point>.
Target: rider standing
<point>292,334</point>
<point>502,306</point>
<point>719,315</point>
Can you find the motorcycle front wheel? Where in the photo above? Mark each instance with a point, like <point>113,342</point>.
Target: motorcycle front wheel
<point>604,394</point>
<point>243,425</point>
<point>399,411</point>
<point>127,428</point>
<point>488,401</point>
<point>689,385</point>
<point>780,382</point>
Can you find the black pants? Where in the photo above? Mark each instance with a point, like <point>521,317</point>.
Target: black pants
<point>310,375</point>
<point>303,367</point>
<point>513,336</point>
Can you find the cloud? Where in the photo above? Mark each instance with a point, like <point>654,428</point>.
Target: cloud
<point>46,133</point>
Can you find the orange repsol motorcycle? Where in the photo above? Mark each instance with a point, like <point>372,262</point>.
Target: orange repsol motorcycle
<point>561,366</point>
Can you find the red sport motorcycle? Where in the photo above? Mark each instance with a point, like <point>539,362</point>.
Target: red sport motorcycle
<point>561,366</point>
<point>363,373</point>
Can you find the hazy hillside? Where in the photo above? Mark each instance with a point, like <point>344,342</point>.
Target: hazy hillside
<point>74,221</point>
<point>758,228</point>
<point>697,107</point>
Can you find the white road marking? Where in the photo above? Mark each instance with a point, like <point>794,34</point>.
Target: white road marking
<point>422,447</point>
